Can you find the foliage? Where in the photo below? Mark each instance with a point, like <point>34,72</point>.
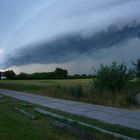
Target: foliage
<point>113,77</point>
<point>67,89</point>
<point>22,76</point>
<point>0,75</point>
<point>77,91</point>
<point>10,74</point>
<point>61,73</point>
<point>57,74</point>
<point>137,68</point>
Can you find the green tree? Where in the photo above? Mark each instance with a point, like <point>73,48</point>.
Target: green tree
<point>10,74</point>
<point>22,76</point>
<point>60,73</point>
<point>112,77</point>
<point>137,68</point>
<point>0,75</point>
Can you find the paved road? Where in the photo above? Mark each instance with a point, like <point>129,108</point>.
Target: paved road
<point>108,114</point>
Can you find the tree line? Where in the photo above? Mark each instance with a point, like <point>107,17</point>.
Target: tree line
<point>59,73</point>
<point>108,74</point>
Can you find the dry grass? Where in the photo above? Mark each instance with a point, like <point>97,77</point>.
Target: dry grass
<point>68,89</point>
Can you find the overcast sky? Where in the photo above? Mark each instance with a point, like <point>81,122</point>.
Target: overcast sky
<point>40,35</point>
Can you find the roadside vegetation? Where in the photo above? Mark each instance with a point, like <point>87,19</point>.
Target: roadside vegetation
<point>70,89</point>
<point>112,85</point>
<point>14,125</point>
<point>137,69</point>
<point>112,77</point>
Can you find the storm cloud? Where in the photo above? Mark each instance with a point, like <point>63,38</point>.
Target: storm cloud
<point>63,30</point>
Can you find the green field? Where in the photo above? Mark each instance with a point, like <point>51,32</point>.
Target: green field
<point>76,89</point>
<point>50,82</point>
<point>16,126</point>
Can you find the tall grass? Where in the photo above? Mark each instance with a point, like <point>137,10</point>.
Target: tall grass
<point>78,90</point>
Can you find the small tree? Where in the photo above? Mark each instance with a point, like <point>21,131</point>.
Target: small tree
<point>10,74</point>
<point>0,75</point>
<point>61,73</point>
<point>113,77</point>
<point>137,68</point>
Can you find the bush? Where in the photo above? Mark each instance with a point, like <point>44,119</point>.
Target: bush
<point>137,68</point>
<point>113,77</point>
<point>77,91</point>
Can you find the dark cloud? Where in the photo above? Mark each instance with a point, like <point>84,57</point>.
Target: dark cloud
<point>66,30</point>
<point>69,47</point>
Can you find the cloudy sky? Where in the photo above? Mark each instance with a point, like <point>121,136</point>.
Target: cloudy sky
<point>40,35</point>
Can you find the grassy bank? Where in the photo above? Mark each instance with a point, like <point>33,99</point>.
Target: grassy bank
<point>15,126</point>
<point>79,89</point>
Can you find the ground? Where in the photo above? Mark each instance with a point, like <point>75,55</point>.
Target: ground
<point>15,126</point>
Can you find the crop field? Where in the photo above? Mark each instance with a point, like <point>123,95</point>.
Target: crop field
<point>50,82</point>
<point>76,89</point>
<point>47,87</point>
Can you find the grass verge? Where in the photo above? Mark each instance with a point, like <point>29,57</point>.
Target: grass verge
<point>15,126</point>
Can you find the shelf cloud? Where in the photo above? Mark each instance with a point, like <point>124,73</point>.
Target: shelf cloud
<point>58,32</point>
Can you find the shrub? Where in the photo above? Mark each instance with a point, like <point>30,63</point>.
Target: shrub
<point>77,91</point>
<point>137,68</point>
<point>112,77</point>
